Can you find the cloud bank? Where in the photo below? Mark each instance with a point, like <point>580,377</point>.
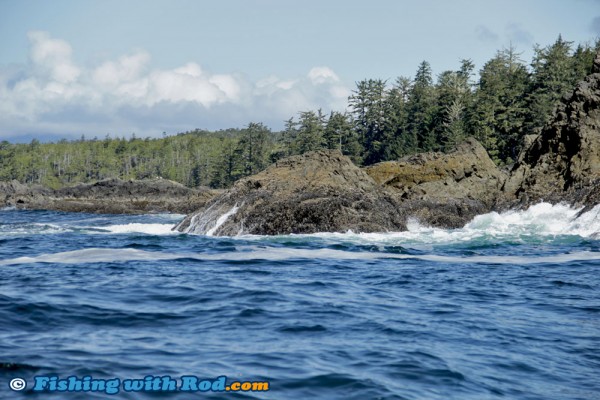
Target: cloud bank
<point>52,95</point>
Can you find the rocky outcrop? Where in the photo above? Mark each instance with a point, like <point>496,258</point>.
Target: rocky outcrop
<point>563,162</point>
<point>14,193</point>
<point>112,196</point>
<point>445,190</point>
<point>322,191</point>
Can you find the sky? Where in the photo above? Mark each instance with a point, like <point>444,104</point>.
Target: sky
<point>96,67</point>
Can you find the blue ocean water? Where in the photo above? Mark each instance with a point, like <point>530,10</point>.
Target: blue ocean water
<point>507,307</point>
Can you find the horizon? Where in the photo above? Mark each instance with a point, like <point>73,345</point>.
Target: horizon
<point>101,67</point>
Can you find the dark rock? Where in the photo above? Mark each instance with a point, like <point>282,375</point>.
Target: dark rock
<point>324,192</point>
<point>444,190</point>
<point>562,164</point>
<point>320,191</point>
<point>111,196</point>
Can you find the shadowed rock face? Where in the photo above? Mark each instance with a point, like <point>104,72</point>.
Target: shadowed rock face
<point>563,162</point>
<point>321,191</point>
<point>111,196</point>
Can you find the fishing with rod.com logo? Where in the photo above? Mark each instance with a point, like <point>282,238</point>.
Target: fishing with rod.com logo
<point>150,383</point>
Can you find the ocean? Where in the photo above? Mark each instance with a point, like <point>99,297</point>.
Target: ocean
<point>507,307</point>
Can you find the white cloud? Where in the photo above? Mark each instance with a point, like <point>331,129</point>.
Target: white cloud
<point>319,75</point>
<point>126,69</point>
<point>53,95</point>
<point>53,56</point>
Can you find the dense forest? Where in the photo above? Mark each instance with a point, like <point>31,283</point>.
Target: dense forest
<point>385,121</point>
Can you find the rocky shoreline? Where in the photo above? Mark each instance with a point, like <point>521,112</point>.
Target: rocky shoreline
<point>324,191</point>
<point>111,196</point>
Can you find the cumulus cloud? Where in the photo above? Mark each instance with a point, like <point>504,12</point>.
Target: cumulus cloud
<point>54,95</point>
<point>53,56</point>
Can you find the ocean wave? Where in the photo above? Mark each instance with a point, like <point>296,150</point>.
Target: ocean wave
<point>246,253</point>
<point>540,221</point>
<point>24,229</point>
<point>149,229</point>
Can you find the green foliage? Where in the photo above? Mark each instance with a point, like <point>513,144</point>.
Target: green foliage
<point>192,158</point>
<point>385,122</point>
<point>309,134</point>
<point>500,107</point>
<point>369,109</point>
<point>421,109</point>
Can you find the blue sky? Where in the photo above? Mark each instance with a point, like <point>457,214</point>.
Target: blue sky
<point>101,66</point>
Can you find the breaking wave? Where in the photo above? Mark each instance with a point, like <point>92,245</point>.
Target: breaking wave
<point>542,221</point>
<point>149,229</point>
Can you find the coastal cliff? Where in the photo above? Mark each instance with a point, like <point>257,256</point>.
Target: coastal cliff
<point>563,162</point>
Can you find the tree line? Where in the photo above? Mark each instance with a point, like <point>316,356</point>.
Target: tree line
<point>384,121</point>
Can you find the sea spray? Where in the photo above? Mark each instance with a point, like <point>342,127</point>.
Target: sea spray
<point>210,220</point>
<point>221,220</point>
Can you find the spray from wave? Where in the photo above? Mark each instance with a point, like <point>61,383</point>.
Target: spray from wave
<point>540,221</point>
<point>148,229</point>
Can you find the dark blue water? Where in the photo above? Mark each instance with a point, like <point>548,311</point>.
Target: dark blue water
<point>478,313</point>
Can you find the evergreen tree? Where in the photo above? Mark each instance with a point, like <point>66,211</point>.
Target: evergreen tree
<point>228,168</point>
<point>421,109</point>
<point>583,59</point>
<point>286,139</point>
<point>369,110</point>
<point>401,140</point>
<point>453,96</point>
<point>335,129</point>
<point>499,112</point>
<point>252,148</point>
<point>310,132</point>
<point>553,75</point>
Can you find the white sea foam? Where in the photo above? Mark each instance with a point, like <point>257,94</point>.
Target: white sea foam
<point>32,229</point>
<point>149,229</point>
<point>221,220</point>
<point>95,255</point>
<point>542,220</point>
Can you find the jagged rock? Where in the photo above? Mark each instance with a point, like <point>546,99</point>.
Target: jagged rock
<point>445,190</point>
<point>321,191</point>
<point>111,196</point>
<point>563,162</point>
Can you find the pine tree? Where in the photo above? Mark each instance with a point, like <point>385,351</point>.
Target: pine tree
<point>453,96</point>
<point>401,141</point>
<point>499,112</point>
<point>553,75</point>
<point>421,109</point>
<point>252,148</point>
<point>369,110</point>
<point>310,129</point>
